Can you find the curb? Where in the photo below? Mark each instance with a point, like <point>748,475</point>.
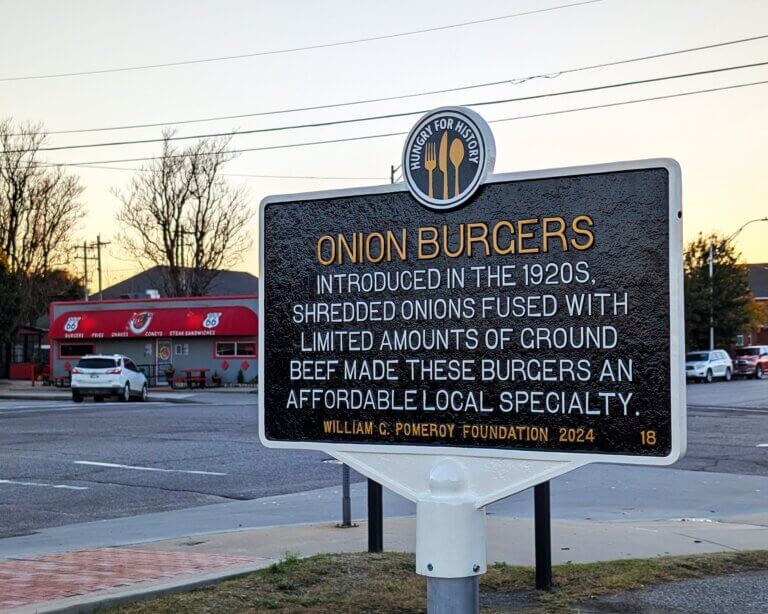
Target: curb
<point>23,396</point>
<point>86,604</point>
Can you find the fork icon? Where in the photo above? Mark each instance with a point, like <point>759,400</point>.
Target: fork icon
<point>430,163</point>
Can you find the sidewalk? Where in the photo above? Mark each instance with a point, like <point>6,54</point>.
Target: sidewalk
<point>112,575</point>
<point>25,391</point>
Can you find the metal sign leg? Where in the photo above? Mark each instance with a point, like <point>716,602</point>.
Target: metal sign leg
<point>543,536</point>
<point>346,504</point>
<point>453,595</point>
<point>375,517</point>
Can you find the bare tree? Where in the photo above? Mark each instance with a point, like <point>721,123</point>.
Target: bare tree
<point>40,209</point>
<point>180,213</point>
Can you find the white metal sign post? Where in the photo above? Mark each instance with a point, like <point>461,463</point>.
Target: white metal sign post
<point>465,336</point>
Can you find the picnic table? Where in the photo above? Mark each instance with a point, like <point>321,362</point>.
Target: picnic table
<point>191,377</point>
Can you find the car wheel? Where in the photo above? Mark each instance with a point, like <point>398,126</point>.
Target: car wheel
<point>728,375</point>
<point>77,397</point>
<point>126,396</point>
<point>144,393</point>
<point>97,399</point>
<point>759,372</point>
<point>708,377</point>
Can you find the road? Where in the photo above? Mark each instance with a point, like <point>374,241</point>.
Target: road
<point>170,455</point>
<point>728,427</point>
<point>62,463</point>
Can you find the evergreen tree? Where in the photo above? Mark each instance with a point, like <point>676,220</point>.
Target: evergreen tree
<point>727,293</point>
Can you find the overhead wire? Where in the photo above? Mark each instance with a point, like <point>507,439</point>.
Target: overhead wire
<point>252,175</point>
<point>338,122</point>
<point>356,41</point>
<point>512,81</point>
<point>402,133</point>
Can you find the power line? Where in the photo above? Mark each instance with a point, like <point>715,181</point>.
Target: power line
<point>297,49</point>
<point>512,81</point>
<point>354,120</point>
<point>634,101</point>
<point>402,133</point>
<point>321,177</point>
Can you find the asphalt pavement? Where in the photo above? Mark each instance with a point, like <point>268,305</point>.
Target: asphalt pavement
<point>62,463</point>
<point>738,593</point>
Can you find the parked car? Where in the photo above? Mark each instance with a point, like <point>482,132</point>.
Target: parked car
<point>102,375</point>
<point>751,361</point>
<point>706,365</point>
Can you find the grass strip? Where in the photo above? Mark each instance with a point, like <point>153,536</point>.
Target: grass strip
<point>387,583</point>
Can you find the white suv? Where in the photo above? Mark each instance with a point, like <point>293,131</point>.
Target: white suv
<point>706,365</point>
<point>105,375</point>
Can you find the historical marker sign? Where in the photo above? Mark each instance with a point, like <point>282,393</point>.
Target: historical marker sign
<point>528,315</point>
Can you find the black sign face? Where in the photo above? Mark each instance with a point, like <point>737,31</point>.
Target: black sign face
<point>536,318</point>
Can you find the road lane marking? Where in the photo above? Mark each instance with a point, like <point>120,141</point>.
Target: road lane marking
<point>762,445</point>
<point>64,486</point>
<point>138,468</point>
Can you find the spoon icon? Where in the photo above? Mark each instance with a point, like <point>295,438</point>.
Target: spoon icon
<point>456,155</point>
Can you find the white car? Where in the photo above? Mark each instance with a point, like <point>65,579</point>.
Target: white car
<point>706,365</point>
<point>103,375</point>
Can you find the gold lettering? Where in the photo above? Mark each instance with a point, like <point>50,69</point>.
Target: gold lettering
<point>547,233</point>
<point>483,238</point>
<point>510,249</point>
<point>446,242</point>
<point>577,228</point>
<point>432,240</point>
<point>523,235</point>
<point>319,250</point>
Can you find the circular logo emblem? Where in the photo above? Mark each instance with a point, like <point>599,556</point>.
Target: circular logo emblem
<point>140,322</point>
<point>447,155</point>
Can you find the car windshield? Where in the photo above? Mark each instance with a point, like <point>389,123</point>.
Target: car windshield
<point>697,357</point>
<point>96,363</point>
<point>749,352</point>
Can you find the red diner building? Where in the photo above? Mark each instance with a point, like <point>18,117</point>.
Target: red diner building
<point>215,336</point>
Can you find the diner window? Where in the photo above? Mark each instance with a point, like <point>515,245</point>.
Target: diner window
<point>182,349</point>
<point>18,352</point>
<point>75,350</point>
<point>246,348</point>
<point>236,348</point>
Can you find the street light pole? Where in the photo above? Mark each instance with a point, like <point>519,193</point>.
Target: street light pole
<point>711,296</point>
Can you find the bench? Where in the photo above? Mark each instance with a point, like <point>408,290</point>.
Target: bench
<point>188,381</point>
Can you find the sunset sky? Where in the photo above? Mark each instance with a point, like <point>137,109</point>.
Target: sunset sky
<point>719,138</point>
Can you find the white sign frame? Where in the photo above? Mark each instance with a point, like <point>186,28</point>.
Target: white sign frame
<point>676,330</point>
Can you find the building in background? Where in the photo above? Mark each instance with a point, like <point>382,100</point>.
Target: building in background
<point>225,283</point>
<point>29,352</point>
<point>197,337</point>
<point>758,285</point>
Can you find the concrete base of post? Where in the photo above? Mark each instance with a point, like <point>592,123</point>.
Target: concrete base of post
<point>453,595</point>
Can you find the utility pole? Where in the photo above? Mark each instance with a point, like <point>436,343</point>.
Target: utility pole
<point>711,296</point>
<point>180,259</point>
<point>98,245</point>
<point>84,258</point>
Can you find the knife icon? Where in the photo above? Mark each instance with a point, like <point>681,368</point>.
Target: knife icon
<point>442,162</point>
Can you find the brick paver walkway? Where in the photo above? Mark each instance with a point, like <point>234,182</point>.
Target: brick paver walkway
<point>44,578</point>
